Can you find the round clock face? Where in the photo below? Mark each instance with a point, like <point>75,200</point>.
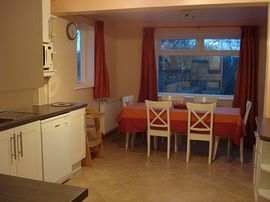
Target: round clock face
<point>71,31</point>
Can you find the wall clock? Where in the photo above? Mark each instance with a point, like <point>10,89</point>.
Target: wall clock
<point>71,31</point>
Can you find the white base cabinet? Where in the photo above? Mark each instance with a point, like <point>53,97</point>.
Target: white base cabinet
<point>77,133</point>
<point>7,161</point>
<point>49,150</point>
<point>20,151</point>
<point>261,175</point>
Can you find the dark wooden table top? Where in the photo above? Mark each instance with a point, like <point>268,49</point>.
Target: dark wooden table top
<point>263,125</point>
<point>16,189</point>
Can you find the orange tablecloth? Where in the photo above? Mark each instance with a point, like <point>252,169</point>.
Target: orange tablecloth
<point>227,121</point>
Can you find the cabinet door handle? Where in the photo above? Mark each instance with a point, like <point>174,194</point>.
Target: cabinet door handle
<point>21,144</point>
<point>57,125</point>
<point>13,144</point>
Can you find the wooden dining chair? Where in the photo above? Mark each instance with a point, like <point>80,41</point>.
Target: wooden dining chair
<point>205,99</point>
<point>127,101</point>
<point>176,99</point>
<point>229,143</point>
<point>158,122</point>
<point>200,125</point>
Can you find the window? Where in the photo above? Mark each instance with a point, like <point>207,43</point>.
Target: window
<point>85,56</point>
<point>198,61</point>
<point>79,66</point>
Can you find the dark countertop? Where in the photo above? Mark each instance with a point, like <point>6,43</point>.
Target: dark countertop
<point>40,112</point>
<point>263,125</point>
<point>13,189</point>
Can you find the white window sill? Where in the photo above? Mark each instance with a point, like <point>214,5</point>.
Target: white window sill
<point>220,97</point>
<point>83,85</point>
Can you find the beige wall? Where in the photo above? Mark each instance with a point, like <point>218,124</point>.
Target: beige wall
<point>266,111</point>
<point>62,85</point>
<point>16,99</point>
<point>261,68</point>
<point>128,39</point>
<point>128,50</point>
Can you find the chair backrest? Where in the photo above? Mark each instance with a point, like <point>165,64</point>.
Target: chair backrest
<point>201,118</point>
<point>127,100</point>
<point>158,115</point>
<point>248,107</point>
<point>203,99</point>
<point>174,98</point>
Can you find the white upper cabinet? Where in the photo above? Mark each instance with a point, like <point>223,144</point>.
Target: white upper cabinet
<point>21,45</point>
<point>46,20</point>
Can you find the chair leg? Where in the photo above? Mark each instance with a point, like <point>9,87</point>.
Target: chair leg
<point>175,142</point>
<point>132,141</point>
<point>127,140</point>
<point>168,147</point>
<point>229,147</point>
<point>241,150</point>
<point>215,147</point>
<point>210,151</point>
<point>148,145</point>
<point>155,142</point>
<point>87,161</point>
<point>188,150</point>
<point>100,153</point>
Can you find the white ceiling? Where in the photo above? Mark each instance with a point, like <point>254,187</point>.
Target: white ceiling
<point>173,14</point>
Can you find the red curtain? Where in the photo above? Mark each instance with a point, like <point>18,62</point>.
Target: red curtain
<point>247,79</point>
<point>148,87</point>
<point>102,86</point>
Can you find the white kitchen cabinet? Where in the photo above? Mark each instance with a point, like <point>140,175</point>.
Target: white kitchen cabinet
<point>56,148</point>
<point>29,160</point>
<point>262,170</point>
<point>21,45</point>
<point>7,161</point>
<point>20,150</point>
<point>46,20</point>
<point>77,135</point>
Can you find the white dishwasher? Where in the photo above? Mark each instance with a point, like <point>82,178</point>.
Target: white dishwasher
<point>56,148</point>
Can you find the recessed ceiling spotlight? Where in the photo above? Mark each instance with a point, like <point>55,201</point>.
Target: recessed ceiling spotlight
<point>186,15</point>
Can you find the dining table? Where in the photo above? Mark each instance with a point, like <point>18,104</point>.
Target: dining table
<point>228,122</point>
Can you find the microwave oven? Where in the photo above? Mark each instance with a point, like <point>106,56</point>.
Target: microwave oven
<point>48,56</point>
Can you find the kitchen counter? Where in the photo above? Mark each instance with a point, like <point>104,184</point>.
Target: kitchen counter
<point>40,112</point>
<point>15,189</point>
<point>263,125</point>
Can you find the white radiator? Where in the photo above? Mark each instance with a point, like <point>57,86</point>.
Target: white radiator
<point>110,107</point>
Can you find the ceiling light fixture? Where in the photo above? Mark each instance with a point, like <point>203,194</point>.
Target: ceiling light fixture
<point>186,16</point>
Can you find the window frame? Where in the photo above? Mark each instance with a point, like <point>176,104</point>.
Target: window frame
<point>87,45</point>
<point>200,34</point>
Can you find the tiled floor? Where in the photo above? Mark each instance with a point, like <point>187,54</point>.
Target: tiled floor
<point>131,176</point>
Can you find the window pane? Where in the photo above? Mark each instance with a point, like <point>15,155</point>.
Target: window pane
<point>222,44</point>
<point>178,44</point>
<point>197,74</point>
<point>79,67</point>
